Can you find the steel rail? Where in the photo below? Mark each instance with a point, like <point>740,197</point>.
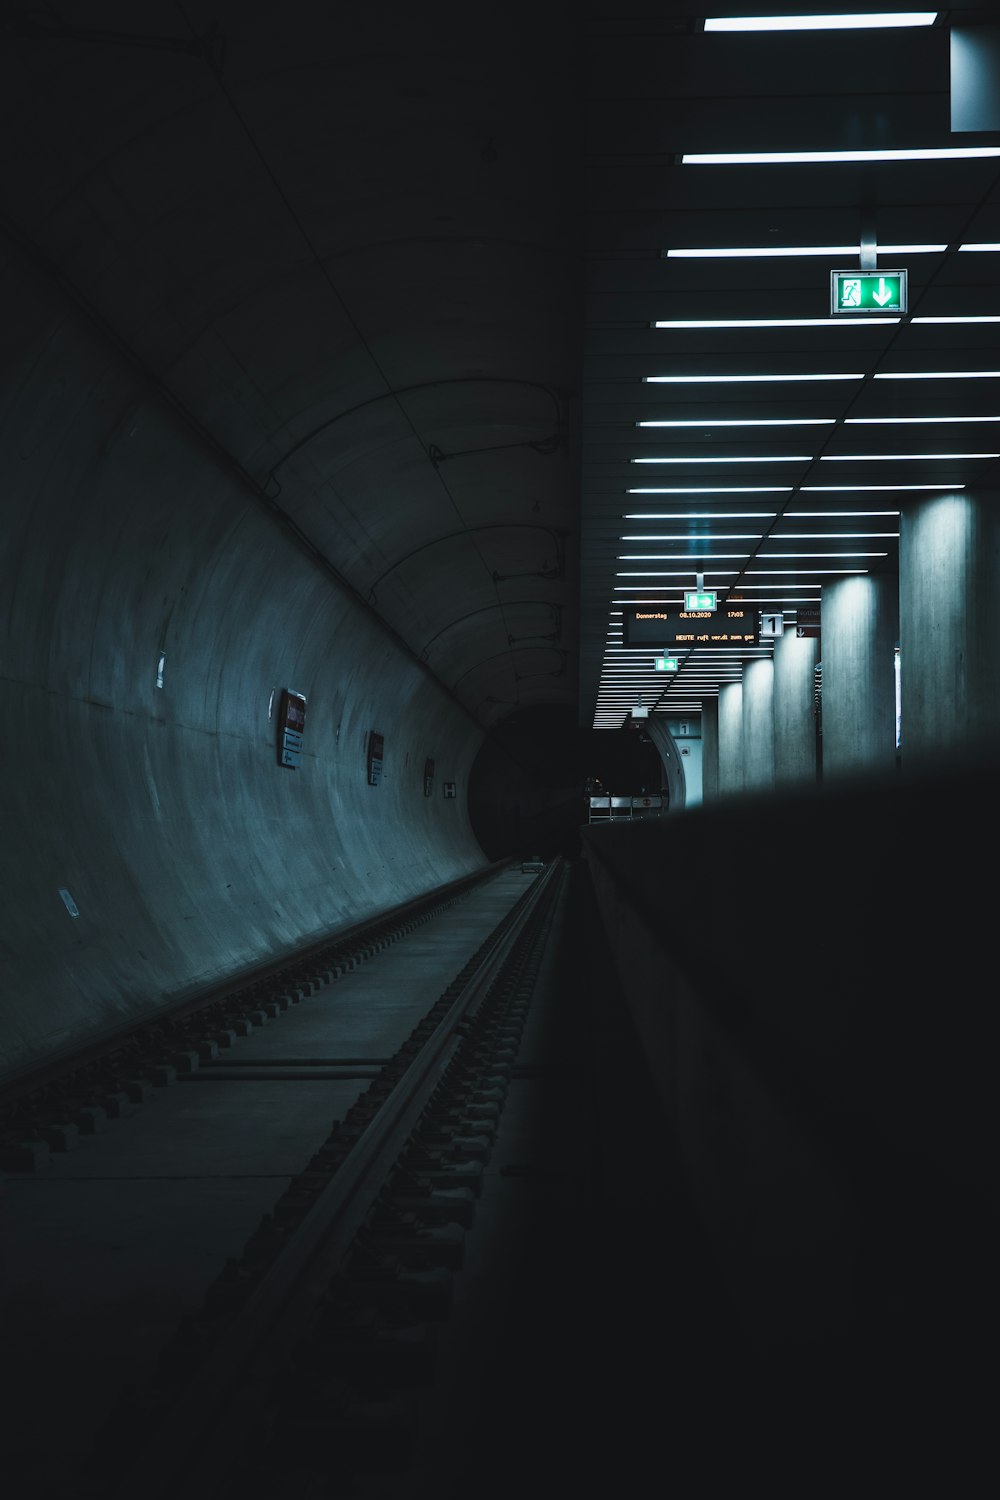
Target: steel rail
<point>183,1456</point>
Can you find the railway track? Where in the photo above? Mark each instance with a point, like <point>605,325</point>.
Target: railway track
<point>308,1357</point>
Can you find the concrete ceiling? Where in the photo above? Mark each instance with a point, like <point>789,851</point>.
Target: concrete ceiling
<point>343,242</point>
<point>398,267</point>
<point>769,513</point>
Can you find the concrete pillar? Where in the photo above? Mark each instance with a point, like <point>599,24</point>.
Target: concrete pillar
<point>860,624</point>
<point>730,739</point>
<point>758,726</point>
<point>710,750</point>
<point>949,625</point>
<point>795,728</point>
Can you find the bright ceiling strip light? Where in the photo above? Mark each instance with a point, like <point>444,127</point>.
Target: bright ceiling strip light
<point>697,515</point>
<point>864,458</point>
<point>781,572</point>
<point>749,252</point>
<point>886,421</point>
<point>828,536</point>
<point>842,322</point>
<point>966,318</point>
<point>842,488</point>
<point>692,515</point>
<point>743,458</point>
<point>751,422</point>
<point>739,489</point>
<point>940,375</point>
<point>728,379</point>
<point>766,556</point>
<point>717,536</point>
<point>991,247</point>
<point>785,158</point>
<point>839,513</point>
<point>726,536</point>
<point>850,22</point>
<point>694,559</point>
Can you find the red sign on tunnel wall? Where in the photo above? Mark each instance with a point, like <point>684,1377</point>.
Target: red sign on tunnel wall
<point>376,748</point>
<point>291,728</point>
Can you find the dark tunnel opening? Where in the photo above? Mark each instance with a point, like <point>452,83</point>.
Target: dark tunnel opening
<point>526,789</point>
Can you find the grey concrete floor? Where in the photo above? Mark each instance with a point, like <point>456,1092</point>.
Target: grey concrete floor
<point>109,1246</point>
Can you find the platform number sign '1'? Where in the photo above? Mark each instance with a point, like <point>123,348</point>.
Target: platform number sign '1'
<point>859,292</point>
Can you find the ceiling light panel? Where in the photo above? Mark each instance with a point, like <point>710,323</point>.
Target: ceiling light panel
<point>741,458</point>
<point>748,422</point>
<point>743,489</point>
<point>862,20</point>
<point>732,377</point>
<point>830,252</point>
<point>829,322</point>
<point>789,158</point>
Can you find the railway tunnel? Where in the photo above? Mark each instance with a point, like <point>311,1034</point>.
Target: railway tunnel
<point>327,342</point>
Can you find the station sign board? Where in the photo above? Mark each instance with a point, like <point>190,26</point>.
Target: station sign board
<point>860,292</point>
<point>807,622</point>
<point>666,626</point>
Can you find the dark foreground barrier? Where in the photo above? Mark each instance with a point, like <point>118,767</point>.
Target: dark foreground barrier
<point>814,983</point>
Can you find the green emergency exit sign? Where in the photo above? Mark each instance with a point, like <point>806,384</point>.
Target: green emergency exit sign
<point>861,292</point>
<point>699,599</point>
<point>665,663</point>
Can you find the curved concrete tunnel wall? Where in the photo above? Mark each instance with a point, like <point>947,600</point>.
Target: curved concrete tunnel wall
<point>163,813</point>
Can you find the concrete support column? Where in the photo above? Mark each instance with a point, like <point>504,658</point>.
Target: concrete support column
<point>730,738</point>
<point>949,625</point>
<point>795,757</point>
<point>710,750</point>
<point>758,726</point>
<point>860,625</point>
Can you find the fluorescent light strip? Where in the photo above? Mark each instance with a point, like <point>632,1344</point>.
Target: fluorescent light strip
<point>864,458</point>
<point>729,379</point>
<point>682,536</point>
<point>717,536</point>
<point>767,556</point>
<point>696,560</point>
<point>822,23</point>
<point>988,247</point>
<point>843,488</point>
<point>748,252</point>
<point>787,158</point>
<point>839,513</point>
<point>888,421</point>
<point>940,375</point>
<point>739,489</point>
<point>743,458</point>
<point>752,422</point>
<point>672,556</point>
<point>692,515</point>
<point>966,318</point>
<point>840,322</point>
<point>805,536</point>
